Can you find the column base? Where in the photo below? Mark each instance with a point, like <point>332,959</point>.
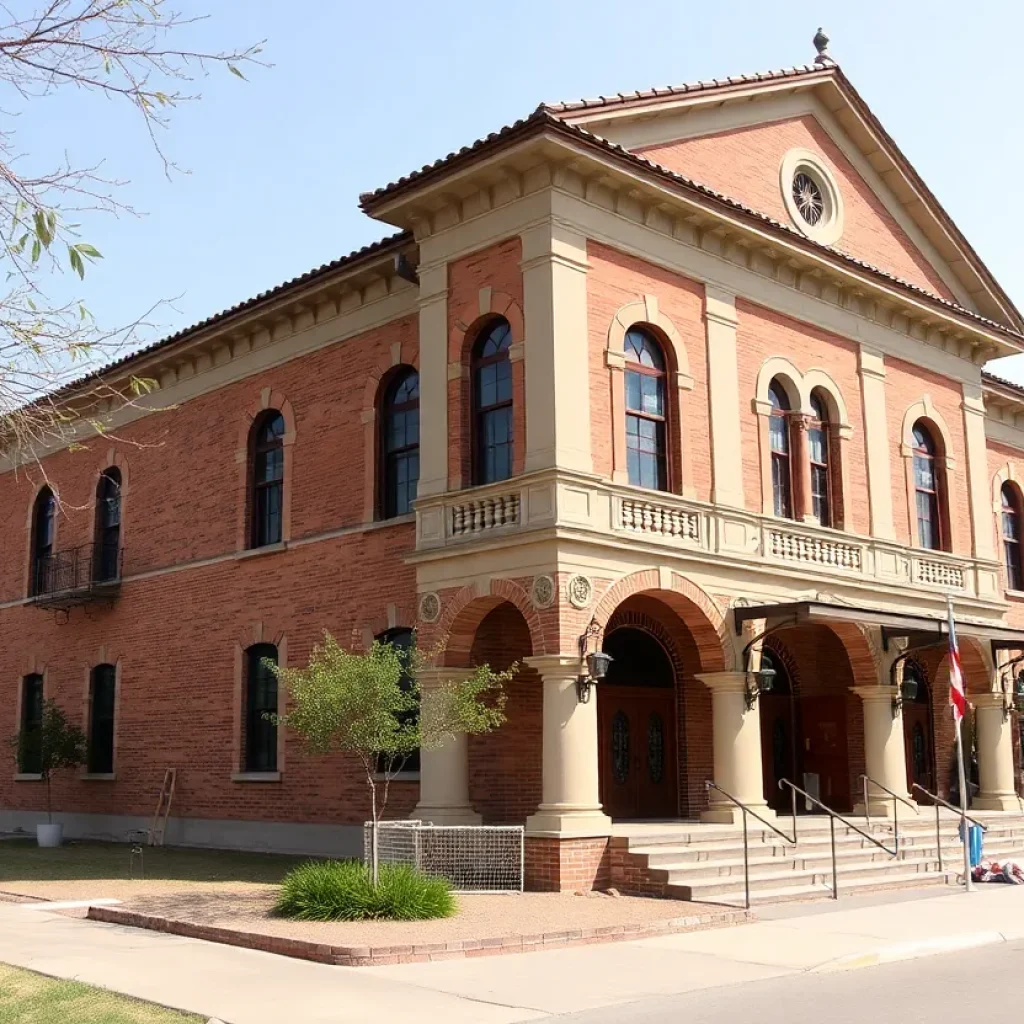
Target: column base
<point>442,815</point>
<point>995,802</point>
<point>555,819</point>
<point>730,814</point>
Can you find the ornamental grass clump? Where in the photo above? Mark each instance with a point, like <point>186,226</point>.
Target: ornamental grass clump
<point>343,890</point>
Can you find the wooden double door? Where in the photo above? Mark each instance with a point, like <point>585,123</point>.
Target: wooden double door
<point>637,753</point>
<point>920,748</point>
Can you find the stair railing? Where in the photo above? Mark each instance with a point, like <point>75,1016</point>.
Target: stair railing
<point>939,802</point>
<point>709,785</point>
<point>866,780</point>
<point>832,817</point>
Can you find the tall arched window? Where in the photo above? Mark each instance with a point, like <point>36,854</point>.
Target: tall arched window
<point>1011,514</point>
<point>400,444</point>
<point>818,452</point>
<point>43,521</point>
<point>108,526</point>
<point>102,687</point>
<point>646,411</point>
<point>492,404</point>
<point>927,489</point>
<point>260,736</point>
<point>267,479</point>
<point>778,436</point>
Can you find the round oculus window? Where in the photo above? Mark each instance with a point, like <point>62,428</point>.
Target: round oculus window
<point>807,196</point>
<point>811,196</point>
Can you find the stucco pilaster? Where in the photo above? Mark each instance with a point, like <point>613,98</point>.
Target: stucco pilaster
<point>724,389</point>
<point>433,332</point>
<point>871,367</point>
<point>982,540</point>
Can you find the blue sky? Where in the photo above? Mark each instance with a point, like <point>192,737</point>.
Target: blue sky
<point>360,94</point>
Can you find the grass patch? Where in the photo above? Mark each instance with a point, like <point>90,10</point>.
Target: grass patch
<point>340,890</point>
<point>21,860</point>
<point>30,998</point>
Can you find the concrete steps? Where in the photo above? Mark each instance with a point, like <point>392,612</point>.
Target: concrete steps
<point>705,863</point>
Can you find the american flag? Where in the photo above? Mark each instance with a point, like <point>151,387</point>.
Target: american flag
<point>957,699</point>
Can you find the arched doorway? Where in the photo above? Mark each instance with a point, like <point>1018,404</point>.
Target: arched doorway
<point>780,730</point>
<point>637,727</point>
<point>918,732</point>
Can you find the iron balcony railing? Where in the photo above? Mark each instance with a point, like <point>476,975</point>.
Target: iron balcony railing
<point>77,575</point>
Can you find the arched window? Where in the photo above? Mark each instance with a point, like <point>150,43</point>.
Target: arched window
<point>778,437</point>
<point>492,404</point>
<point>818,452</point>
<point>403,640</point>
<point>107,563</point>
<point>102,686</point>
<point>1010,499</point>
<point>646,413</point>
<point>400,444</point>
<point>267,479</point>
<point>260,750</point>
<point>43,522</point>
<point>927,490</point>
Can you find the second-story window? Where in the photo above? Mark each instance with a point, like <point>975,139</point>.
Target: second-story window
<point>1011,513</point>
<point>400,444</point>
<point>102,686</point>
<point>927,490</point>
<point>646,411</point>
<point>778,437</point>
<point>267,480</point>
<point>260,735</point>
<point>108,526</point>
<point>43,526</point>
<point>492,404</point>
<point>818,452</point>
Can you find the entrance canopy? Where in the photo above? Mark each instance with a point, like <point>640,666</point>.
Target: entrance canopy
<point>920,630</point>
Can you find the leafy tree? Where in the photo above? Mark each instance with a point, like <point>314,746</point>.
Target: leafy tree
<point>125,51</point>
<point>370,705</point>
<point>55,746</point>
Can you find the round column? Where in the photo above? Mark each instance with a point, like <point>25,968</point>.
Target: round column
<point>737,748</point>
<point>570,791</point>
<point>885,757</point>
<point>995,754</point>
<point>444,770</point>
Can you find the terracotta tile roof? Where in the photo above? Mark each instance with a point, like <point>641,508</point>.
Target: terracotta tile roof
<point>621,98</point>
<point>542,120</point>
<point>991,378</point>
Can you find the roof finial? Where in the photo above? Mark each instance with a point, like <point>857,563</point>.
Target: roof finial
<point>821,45</point>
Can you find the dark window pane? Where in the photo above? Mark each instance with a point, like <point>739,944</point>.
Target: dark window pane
<point>261,699</point>
<point>781,486</point>
<point>633,391</point>
<point>101,719</point>
<point>778,433</point>
<point>30,760</point>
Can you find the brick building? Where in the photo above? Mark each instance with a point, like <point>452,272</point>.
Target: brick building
<point>692,375</point>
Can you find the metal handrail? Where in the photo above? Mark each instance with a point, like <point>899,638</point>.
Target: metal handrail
<point>708,784</point>
<point>865,780</point>
<point>939,802</point>
<point>832,816</point>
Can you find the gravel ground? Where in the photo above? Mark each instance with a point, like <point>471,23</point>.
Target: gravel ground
<point>478,917</point>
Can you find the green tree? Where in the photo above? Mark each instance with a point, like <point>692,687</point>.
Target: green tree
<point>56,745</point>
<point>128,52</point>
<point>369,704</point>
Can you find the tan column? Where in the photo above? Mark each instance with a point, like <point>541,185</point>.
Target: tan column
<point>737,748</point>
<point>444,770</point>
<point>885,756</point>
<point>995,754</point>
<point>570,795</point>
<point>982,538</point>
<point>433,335</point>
<point>724,389</point>
<point>876,441</point>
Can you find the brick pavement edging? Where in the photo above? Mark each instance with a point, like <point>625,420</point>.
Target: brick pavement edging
<point>372,956</point>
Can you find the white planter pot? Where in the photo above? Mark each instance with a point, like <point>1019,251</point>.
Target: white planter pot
<point>49,835</point>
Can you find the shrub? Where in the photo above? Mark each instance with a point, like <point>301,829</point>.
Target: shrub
<point>342,890</point>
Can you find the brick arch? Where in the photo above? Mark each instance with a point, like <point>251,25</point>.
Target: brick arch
<point>401,354</point>
<point>262,631</point>
<point>468,608</point>
<point>473,315</point>
<point>695,607</point>
<point>779,650</point>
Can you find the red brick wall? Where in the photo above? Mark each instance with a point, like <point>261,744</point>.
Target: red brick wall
<point>567,865</point>
<point>744,164</point>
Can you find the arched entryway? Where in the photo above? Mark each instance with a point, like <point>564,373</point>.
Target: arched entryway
<point>636,726</point>
<point>918,730</point>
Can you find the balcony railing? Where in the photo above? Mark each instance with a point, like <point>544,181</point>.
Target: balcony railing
<point>78,575</point>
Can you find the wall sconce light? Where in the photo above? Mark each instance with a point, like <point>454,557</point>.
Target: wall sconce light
<point>764,682</point>
<point>906,691</point>
<point>595,662</point>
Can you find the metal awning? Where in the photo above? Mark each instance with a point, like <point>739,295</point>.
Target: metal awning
<point>920,630</point>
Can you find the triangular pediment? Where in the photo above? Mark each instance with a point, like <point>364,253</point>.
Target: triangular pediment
<point>742,137</point>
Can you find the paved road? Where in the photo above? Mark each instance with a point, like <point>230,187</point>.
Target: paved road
<point>981,986</point>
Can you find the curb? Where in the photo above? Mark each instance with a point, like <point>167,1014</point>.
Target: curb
<point>902,951</point>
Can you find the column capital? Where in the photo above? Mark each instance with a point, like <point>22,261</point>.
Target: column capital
<point>994,699</point>
<point>433,676</point>
<point>869,694</point>
<point>555,666</point>
<point>726,682</point>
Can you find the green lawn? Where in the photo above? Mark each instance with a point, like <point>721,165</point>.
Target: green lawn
<point>29,998</point>
<point>21,860</point>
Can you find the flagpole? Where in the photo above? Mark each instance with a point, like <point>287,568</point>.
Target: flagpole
<point>968,881</point>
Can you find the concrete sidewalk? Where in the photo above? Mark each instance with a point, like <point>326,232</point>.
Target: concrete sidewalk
<point>246,987</point>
